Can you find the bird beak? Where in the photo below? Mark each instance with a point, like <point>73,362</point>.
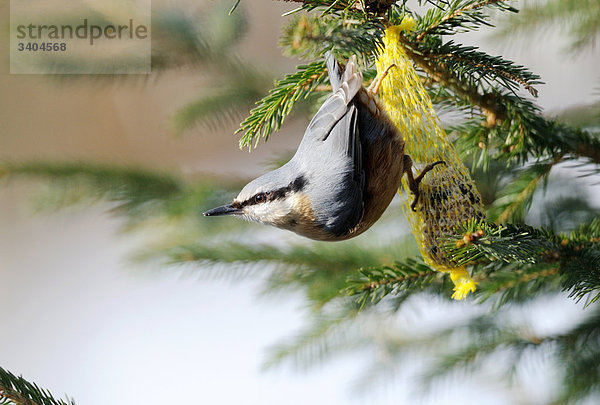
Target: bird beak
<point>228,209</point>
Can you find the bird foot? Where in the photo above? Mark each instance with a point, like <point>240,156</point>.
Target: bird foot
<point>413,182</point>
<point>374,87</point>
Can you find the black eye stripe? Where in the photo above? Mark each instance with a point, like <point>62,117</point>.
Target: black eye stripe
<point>297,185</point>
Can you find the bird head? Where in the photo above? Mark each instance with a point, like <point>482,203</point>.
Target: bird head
<point>274,198</point>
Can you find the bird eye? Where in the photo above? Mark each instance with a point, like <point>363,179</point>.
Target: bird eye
<point>260,198</point>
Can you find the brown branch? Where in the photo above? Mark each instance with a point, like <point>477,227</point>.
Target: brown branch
<point>525,277</point>
<point>487,102</point>
<point>499,72</point>
<point>583,149</point>
<point>323,87</point>
<point>308,82</point>
<point>490,104</point>
<point>14,396</point>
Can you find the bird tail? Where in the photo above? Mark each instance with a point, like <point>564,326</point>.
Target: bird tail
<point>345,86</point>
<point>333,70</point>
<point>349,75</point>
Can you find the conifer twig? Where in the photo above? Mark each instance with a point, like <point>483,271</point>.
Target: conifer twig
<point>485,102</point>
<point>401,278</point>
<point>512,77</point>
<point>460,11</point>
<point>21,392</point>
<point>272,110</point>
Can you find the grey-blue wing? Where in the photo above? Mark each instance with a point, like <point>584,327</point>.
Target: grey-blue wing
<point>332,149</point>
<point>339,194</point>
<point>336,105</point>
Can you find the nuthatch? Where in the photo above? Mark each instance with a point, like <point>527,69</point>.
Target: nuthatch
<point>344,174</point>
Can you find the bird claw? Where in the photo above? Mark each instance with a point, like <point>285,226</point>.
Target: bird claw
<point>413,182</point>
<point>374,87</point>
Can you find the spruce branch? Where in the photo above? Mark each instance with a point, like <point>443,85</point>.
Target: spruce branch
<point>18,391</point>
<point>469,357</point>
<point>327,5</point>
<point>320,269</point>
<point>514,282</point>
<point>513,125</point>
<point>580,261</point>
<point>582,273</point>
<point>182,39</point>
<point>427,58</point>
<point>513,128</point>
<point>235,5</point>
<point>579,20</point>
<point>477,67</point>
<point>486,103</point>
<point>133,176</point>
<point>129,186</point>
<point>211,111</point>
<point>578,351</point>
<point>275,107</point>
<point>516,197</point>
<point>507,243</point>
<point>450,17</point>
<point>577,254</point>
<point>401,278</point>
<point>520,130</point>
<point>327,335</point>
<point>309,37</point>
<point>135,194</point>
<point>372,7</point>
<point>325,258</point>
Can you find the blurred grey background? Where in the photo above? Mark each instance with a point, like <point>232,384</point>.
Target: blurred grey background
<point>79,318</point>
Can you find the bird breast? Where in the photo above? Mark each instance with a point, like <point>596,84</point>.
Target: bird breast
<point>303,220</point>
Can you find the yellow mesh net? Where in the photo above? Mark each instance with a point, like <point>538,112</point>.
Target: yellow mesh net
<point>448,195</point>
